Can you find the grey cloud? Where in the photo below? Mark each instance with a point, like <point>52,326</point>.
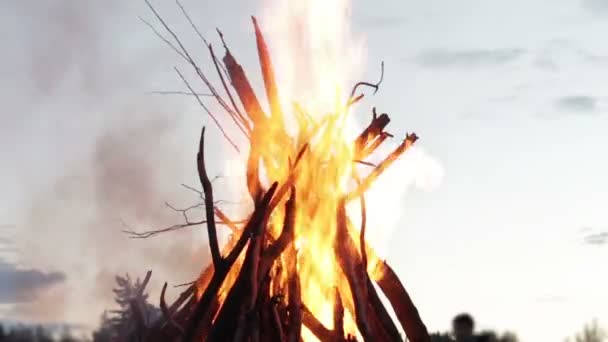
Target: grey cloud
<point>558,51</point>
<point>446,58</point>
<point>577,103</point>
<point>600,238</point>
<point>22,285</point>
<point>545,61</point>
<point>598,6</point>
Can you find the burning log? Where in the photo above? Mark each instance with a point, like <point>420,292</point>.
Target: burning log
<point>294,270</point>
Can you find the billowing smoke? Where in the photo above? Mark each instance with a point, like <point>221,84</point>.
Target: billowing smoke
<point>93,153</point>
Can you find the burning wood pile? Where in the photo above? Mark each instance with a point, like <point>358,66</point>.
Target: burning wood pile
<point>297,268</point>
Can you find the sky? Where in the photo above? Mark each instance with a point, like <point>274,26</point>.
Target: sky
<point>508,98</point>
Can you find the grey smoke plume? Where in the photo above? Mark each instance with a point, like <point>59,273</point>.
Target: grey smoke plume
<point>92,153</point>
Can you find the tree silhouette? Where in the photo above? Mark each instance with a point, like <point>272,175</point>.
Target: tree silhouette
<point>591,333</point>
<point>133,314</point>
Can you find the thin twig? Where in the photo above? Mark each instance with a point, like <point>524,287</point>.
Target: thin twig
<point>200,102</point>
<point>186,55</point>
<point>376,85</point>
<point>169,92</point>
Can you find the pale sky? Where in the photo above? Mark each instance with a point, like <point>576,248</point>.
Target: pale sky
<point>508,96</point>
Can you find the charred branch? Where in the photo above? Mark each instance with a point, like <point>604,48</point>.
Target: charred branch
<point>208,190</point>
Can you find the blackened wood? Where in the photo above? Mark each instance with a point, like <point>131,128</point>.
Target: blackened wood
<point>295,306</point>
<point>219,274</point>
<point>384,318</point>
<point>338,315</point>
<point>167,314</point>
<point>286,236</point>
<point>208,191</point>
<point>373,130</point>
<point>316,327</point>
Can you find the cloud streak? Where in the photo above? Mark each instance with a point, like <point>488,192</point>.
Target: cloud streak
<point>472,58</point>
<point>23,285</point>
<point>577,104</point>
<point>597,6</point>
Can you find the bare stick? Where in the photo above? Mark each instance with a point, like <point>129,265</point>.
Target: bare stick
<point>169,92</point>
<point>236,113</point>
<point>161,37</point>
<point>228,110</point>
<point>206,183</point>
<point>166,312</point>
<point>376,85</point>
<point>215,61</point>
<point>186,55</point>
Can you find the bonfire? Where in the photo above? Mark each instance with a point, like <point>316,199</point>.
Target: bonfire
<point>298,268</point>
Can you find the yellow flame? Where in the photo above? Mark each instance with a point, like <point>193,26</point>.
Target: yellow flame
<point>316,58</point>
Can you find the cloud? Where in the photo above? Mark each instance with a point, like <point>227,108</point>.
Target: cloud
<point>445,58</point>
<point>564,51</point>
<point>597,6</point>
<point>24,285</point>
<point>577,103</point>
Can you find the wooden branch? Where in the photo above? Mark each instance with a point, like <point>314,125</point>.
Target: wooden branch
<point>200,102</point>
<point>169,92</point>
<point>316,327</point>
<point>373,130</point>
<point>388,161</point>
<point>406,311</point>
<point>182,298</point>
<point>374,144</point>
<point>235,112</point>
<point>295,305</point>
<point>208,190</point>
<point>384,319</point>
<point>235,116</point>
<point>376,85</point>
<point>167,314</point>
<point>286,237</point>
<point>347,256</point>
<point>183,52</point>
<point>362,246</point>
<point>291,179</point>
<point>219,274</point>
<point>241,297</point>
<point>277,323</point>
<point>241,84</point>
<point>272,93</point>
<point>338,315</point>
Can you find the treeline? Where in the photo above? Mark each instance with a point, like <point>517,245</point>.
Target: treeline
<point>27,333</point>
